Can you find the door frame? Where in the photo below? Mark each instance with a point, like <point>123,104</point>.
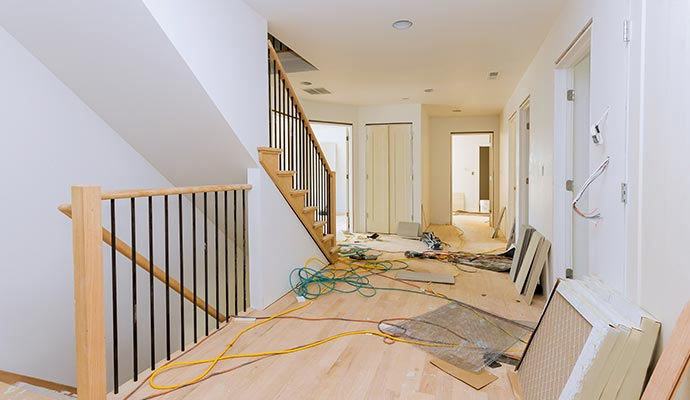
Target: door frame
<point>522,164</point>
<point>366,165</point>
<point>350,185</point>
<point>562,246</point>
<point>492,171</point>
<point>511,217</point>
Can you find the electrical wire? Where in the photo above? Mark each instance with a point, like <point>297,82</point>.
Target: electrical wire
<point>594,214</point>
<point>222,355</point>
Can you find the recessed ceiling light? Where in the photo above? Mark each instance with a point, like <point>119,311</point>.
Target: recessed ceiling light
<point>457,110</point>
<point>402,24</point>
<point>428,90</point>
<point>306,83</point>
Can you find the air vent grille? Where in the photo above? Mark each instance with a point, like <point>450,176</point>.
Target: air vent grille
<point>493,75</point>
<point>317,91</point>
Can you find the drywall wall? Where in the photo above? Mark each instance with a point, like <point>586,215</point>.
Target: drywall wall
<point>465,170</point>
<point>117,59</point>
<point>660,198</point>
<point>548,207</point>
<point>52,140</point>
<point>271,221</point>
<point>360,116</point>
<point>440,160</point>
<point>333,141</point>
<point>224,44</point>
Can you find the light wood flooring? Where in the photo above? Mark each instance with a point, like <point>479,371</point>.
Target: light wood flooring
<point>357,367</point>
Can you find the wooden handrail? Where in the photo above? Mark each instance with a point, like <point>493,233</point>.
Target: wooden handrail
<point>124,249</point>
<point>295,100</point>
<point>128,194</point>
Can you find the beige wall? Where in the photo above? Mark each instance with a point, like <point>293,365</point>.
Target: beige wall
<point>440,161</point>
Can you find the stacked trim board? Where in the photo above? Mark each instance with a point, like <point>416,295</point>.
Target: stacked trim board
<point>529,262</point>
<point>590,343</point>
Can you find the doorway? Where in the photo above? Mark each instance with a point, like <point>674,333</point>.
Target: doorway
<point>523,165</point>
<point>334,139</point>
<point>389,176</point>
<point>471,154</point>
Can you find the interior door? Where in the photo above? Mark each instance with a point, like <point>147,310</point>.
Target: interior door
<point>377,178</point>
<point>579,235</point>
<point>400,167</point>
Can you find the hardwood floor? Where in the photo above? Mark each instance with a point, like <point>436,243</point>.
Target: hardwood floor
<point>355,367</point>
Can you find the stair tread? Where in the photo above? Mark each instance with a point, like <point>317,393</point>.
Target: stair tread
<point>328,237</point>
<point>270,150</point>
<point>308,209</point>
<point>286,173</point>
<point>298,192</point>
<point>319,224</point>
<point>335,249</point>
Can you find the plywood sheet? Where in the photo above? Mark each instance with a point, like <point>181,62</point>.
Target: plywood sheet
<point>475,379</point>
<point>526,265</point>
<point>536,271</point>
<point>553,351</point>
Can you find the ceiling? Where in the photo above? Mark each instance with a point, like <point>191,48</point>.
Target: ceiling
<point>451,48</point>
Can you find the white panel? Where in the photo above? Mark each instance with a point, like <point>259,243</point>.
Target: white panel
<point>400,164</point>
<point>581,143</point>
<point>378,179</point>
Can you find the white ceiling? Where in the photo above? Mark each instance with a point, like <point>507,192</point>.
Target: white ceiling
<point>452,47</point>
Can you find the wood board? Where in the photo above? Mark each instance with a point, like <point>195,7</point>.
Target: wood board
<point>535,272</point>
<point>527,260</point>
<point>520,249</point>
<point>475,379</point>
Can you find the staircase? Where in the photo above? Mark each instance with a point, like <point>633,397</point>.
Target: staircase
<point>295,161</point>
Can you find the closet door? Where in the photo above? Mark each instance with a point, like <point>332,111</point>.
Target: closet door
<point>377,179</point>
<point>400,182</point>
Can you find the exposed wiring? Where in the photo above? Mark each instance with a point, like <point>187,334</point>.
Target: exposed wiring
<point>593,214</point>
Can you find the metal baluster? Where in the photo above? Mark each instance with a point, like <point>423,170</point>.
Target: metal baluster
<point>135,345</point>
<point>179,215</point>
<point>244,248</point>
<point>237,298</point>
<point>194,261</point>
<point>152,312</point>
<point>167,279</point>
<point>215,197</point>
<point>206,261</point>
<point>227,278</point>
<point>113,272</point>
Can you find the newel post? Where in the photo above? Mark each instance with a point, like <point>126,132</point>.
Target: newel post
<point>87,239</point>
<point>331,203</point>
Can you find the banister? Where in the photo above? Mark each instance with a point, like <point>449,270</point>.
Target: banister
<point>295,99</point>
<point>124,249</point>
<point>128,194</point>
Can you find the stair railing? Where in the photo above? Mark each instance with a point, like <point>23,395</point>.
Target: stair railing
<point>289,130</point>
<point>203,242</point>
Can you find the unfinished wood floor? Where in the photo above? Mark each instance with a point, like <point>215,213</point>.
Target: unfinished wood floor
<point>355,367</point>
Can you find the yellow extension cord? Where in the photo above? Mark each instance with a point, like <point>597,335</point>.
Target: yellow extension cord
<point>222,355</point>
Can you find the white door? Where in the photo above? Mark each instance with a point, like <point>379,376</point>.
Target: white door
<point>512,168</point>
<point>523,167</point>
<point>389,176</point>
<point>400,167</point>
<point>377,178</point>
<point>579,232</point>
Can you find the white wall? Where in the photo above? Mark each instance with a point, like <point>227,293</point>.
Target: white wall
<point>224,44</point>
<point>360,116</point>
<point>663,278</point>
<point>440,160</point>
<point>52,140</point>
<point>426,166</point>
<point>548,206</point>
<point>465,170</point>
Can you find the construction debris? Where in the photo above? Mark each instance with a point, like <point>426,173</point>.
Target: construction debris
<point>490,262</point>
<point>590,343</point>
<point>528,266</point>
<point>426,277</point>
<point>432,241</point>
<point>475,379</point>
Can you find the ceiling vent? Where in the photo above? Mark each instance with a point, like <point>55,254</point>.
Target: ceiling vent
<point>493,75</point>
<point>316,91</point>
